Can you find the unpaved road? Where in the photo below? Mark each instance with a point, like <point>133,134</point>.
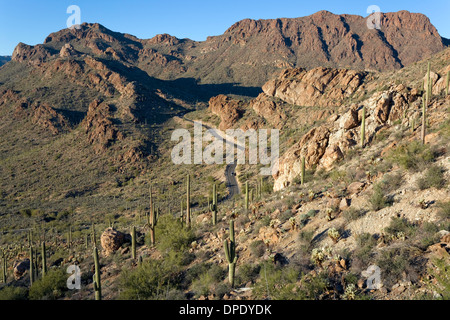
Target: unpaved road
<point>230,170</point>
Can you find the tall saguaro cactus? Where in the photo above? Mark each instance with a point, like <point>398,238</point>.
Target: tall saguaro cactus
<point>424,123</point>
<point>32,272</point>
<point>133,242</point>
<point>97,280</point>
<point>429,85</point>
<point>363,127</point>
<point>214,205</point>
<point>447,83</point>
<point>246,196</point>
<point>44,258</point>
<point>188,201</point>
<point>4,276</point>
<point>152,218</point>
<point>230,254</point>
<point>302,178</point>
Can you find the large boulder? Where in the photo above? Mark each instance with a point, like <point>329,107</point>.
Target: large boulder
<point>20,267</point>
<point>112,240</point>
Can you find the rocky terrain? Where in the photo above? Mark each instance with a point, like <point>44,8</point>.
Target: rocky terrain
<point>86,124</point>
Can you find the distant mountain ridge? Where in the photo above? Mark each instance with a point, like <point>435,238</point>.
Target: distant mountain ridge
<point>250,51</point>
<point>4,59</point>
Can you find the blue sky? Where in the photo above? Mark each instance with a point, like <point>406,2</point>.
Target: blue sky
<point>30,21</point>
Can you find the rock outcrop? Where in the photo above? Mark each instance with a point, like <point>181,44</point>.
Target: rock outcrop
<point>269,110</point>
<point>325,145</point>
<point>227,109</point>
<point>99,127</point>
<point>323,87</point>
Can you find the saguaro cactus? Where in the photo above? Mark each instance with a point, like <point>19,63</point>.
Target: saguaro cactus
<point>4,276</point>
<point>363,127</point>
<point>213,207</point>
<point>424,123</point>
<point>302,178</point>
<point>32,272</point>
<point>246,196</point>
<point>230,254</point>
<point>152,218</point>
<point>97,280</point>
<point>429,86</point>
<point>447,83</point>
<point>133,242</point>
<point>188,201</point>
<point>44,259</point>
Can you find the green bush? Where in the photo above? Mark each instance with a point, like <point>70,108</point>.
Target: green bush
<point>276,283</point>
<point>208,281</point>
<point>378,199</point>
<point>247,273</point>
<point>353,214</point>
<point>50,287</point>
<point>150,281</point>
<point>171,236</point>
<point>395,263</point>
<point>433,178</point>
<point>13,293</point>
<point>444,210</point>
<point>401,225</point>
<point>441,273</point>
<point>257,248</point>
<point>413,156</point>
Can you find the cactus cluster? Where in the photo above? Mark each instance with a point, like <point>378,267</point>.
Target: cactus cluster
<point>334,235</point>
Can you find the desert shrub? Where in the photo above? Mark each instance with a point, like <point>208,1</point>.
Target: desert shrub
<point>352,214</point>
<point>241,221</point>
<point>433,178</point>
<point>392,181</point>
<point>427,235</point>
<point>441,272</point>
<point>444,210</point>
<point>50,287</point>
<point>413,156</point>
<point>257,248</point>
<point>378,199</point>
<point>207,282</point>
<point>247,273</point>
<point>401,225</point>
<point>13,293</point>
<point>148,281</point>
<point>276,283</point>
<point>171,236</point>
<point>312,288</point>
<point>305,240</point>
<point>195,271</point>
<point>364,252</point>
<point>399,262</point>
<point>285,216</point>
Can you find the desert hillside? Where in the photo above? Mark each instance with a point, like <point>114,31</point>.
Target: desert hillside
<point>87,177</point>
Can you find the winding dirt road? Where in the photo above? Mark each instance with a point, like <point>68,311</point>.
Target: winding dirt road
<point>230,170</point>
